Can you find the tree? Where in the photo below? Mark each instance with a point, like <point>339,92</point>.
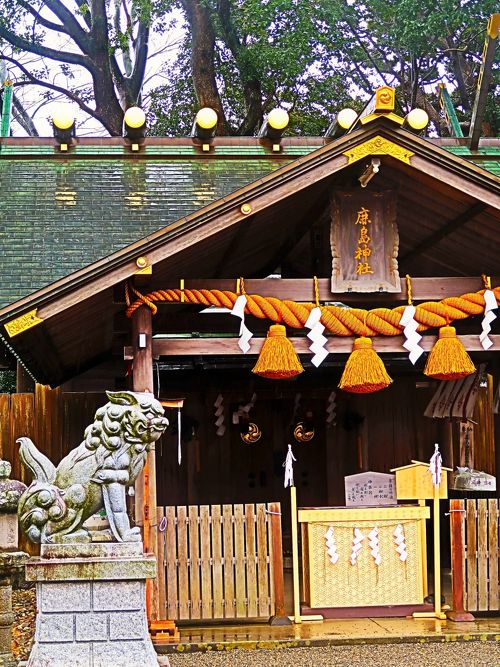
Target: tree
<point>107,40</point>
<point>244,56</point>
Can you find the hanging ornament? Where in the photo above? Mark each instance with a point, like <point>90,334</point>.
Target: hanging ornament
<point>490,304</point>
<point>373,543</point>
<point>357,540</point>
<point>288,465</point>
<point>219,415</point>
<point>331,547</point>
<point>412,337</point>
<point>448,359</point>
<point>400,541</point>
<point>436,466</point>
<point>331,413</point>
<point>315,334</point>
<point>364,371</point>
<point>252,434</point>
<point>277,358</point>
<point>303,432</point>
<point>238,310</point>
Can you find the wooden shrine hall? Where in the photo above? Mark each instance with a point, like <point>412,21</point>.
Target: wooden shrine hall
<point>122,266</point>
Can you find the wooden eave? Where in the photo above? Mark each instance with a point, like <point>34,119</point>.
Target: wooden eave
<point>88,292</point>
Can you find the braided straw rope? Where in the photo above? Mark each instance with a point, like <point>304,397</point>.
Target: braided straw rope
<point>338,321</point>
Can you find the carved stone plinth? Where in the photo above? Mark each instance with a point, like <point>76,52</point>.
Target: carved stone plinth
<point>92,606</point>
<point>10,561</point>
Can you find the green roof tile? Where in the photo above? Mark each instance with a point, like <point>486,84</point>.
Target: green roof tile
<point>59,216</point>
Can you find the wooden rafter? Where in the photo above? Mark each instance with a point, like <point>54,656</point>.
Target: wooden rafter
<point>444,231</point>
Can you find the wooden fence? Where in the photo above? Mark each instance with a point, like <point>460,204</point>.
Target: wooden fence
<point>220,562</point>
<point>475,554</point>
<point>54,420</point>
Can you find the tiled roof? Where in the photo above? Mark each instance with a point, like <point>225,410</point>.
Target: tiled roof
<point>58,215</point>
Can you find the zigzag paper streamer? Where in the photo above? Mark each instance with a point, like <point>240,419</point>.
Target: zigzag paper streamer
<point>356,545</point>
<point>413,338</point>
<point>490,305</point>
<point>331,547</point>
<point>331,412</point>
<point>238,310</point>
<point>288,465</point>
<point>400,540</point>
<point>373,543</point>
<point>316,336</point>
<point>436,466</point>
<point>219,414</point>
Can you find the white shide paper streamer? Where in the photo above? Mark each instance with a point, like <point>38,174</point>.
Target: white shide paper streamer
<point>238,310</point>
<point>373,543</point>
<point>413,338</point>
<point>288,465</point>
<point>400,540</point>
<point>436,466</point>
<point>490,305</point>
<point>219,415</point>
<point>315,334</point>
<point>331,547</point>
<point>356,545</point>
<point>331,412</point>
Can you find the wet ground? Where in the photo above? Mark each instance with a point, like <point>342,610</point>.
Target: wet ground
<point>471,654</point>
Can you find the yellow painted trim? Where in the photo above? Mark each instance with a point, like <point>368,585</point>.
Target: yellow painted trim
<point>22,323</point>
<point>392,116</point>
<point>493,26</point>
<point>378,146</point>
<point>398,512</point>
<point>146,271</point>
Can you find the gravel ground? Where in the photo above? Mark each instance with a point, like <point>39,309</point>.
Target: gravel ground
<point>473,654</point>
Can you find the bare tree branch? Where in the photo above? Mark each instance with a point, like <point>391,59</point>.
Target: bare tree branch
<point>41,50</point>
<point>23,118</point>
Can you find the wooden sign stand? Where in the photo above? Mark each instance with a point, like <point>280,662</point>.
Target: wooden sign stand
<point>438,612</point>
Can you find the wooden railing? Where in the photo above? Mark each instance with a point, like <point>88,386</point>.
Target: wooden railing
<point>220,562</point>
<point>475,553</point>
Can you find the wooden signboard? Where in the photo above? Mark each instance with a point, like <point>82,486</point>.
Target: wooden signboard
<point>370,489</point>
<point>364,240</point>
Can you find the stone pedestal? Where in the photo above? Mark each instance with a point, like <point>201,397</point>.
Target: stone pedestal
<point>91,606</point>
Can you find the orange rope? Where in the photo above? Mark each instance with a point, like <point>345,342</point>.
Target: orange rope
<point>338,321</point>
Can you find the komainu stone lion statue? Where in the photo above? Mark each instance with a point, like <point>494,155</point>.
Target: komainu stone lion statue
<point>94,476</point>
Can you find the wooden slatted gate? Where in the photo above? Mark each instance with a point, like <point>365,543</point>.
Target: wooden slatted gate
<point>220,562</point>
<point>475,554</point>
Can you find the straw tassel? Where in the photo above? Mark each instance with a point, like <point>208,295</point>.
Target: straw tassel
<point>277,358</point>
<point>364,371</point>
<point>448,359</point>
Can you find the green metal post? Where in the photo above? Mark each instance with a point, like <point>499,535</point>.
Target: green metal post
<point>449,112</point>
<point>6,108</point>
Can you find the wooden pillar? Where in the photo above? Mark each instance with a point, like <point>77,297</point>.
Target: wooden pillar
<point>145,487</point>
<point>24,382</point>
<point>458,612</point>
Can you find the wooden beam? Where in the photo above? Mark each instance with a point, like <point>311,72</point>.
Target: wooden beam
<point>484,80</point>
<point>302,289</point>
<point>444,231</point>
<point>188,347</point>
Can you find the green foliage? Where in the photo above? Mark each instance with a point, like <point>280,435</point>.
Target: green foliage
<point>7,382</point>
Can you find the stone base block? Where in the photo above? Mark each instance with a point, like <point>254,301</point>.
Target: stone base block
<point>91,611</point>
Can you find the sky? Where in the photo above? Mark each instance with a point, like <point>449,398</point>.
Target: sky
<point>162,49</point>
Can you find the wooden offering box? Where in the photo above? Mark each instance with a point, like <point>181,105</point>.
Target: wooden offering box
<point>363,584</point>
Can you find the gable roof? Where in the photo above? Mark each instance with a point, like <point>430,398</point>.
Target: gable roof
<point>217,237</point>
